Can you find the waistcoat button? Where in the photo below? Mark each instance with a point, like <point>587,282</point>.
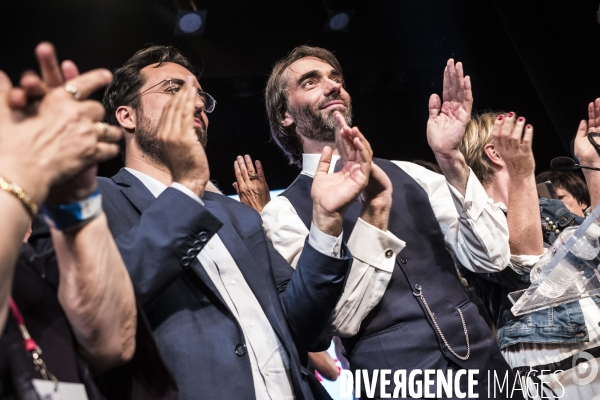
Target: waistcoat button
<point>403,260</point>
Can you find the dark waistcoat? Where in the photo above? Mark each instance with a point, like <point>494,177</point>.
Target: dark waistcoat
<point>399,333</point>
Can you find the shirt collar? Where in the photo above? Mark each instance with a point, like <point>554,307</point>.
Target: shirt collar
<point>310,162</point>
<point>155,186</point>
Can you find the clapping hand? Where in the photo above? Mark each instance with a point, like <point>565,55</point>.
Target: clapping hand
<point>184,154</point>
<point>251,186</point>
<point>513,146</point>
<point>333,193</point>
<point>49,138</point>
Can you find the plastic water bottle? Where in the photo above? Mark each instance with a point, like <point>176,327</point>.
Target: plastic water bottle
<point>572,266</point>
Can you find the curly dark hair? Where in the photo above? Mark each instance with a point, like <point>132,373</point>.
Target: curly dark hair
<point>277,101</point>
<point>128,79</point>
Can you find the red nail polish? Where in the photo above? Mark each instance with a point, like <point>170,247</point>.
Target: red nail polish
<point>520,119</point>
<point>500,117</point>
<point>528,126</point>
<point>510,114</point>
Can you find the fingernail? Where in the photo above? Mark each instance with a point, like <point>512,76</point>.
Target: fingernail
<point>520,119</point>
<point>500,117</point>
<point>510,114</point>
<point>528,126</point>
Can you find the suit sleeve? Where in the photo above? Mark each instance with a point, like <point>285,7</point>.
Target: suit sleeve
<point>374,253</point>
<point>309,294</point>
<point>169,235</point>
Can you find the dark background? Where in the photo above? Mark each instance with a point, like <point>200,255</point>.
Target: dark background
<point>538,58</point>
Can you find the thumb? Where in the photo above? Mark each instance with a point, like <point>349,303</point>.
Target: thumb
<point>435,106</point>
<point>5,90</point>
<point>5,84</point>
<point>582,130</point>
<point>324,161</point>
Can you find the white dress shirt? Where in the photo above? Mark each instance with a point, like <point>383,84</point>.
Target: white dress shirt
<point>475,231</point>
<point>268,358</point>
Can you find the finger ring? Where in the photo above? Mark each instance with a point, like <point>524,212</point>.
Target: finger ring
<point>252,176</point>
<point>106,135</point>
<point>73,91</point>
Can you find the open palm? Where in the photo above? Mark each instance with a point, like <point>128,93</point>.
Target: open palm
<point>583,149</point>
<point>333,193</point>
<point>447,120</point>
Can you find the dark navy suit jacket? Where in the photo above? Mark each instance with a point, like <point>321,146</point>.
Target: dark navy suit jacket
<point>198,336</point>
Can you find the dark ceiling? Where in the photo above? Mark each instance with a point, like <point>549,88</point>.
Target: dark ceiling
<point>538,58</point>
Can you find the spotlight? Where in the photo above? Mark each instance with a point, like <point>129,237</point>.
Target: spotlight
<point>339,21</point>
<point>190,23</point>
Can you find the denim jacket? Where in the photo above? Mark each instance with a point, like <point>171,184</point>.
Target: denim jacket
<point>561,324</point>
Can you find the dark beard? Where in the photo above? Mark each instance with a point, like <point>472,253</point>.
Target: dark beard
<point>145,137</point>
<point>315,125</point>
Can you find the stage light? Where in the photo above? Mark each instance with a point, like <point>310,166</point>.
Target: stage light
<point>339,21</point>
<point>190,23</point>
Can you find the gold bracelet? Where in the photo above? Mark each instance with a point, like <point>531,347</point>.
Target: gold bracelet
<point>17,190</point>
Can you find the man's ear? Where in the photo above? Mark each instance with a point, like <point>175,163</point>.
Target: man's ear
<point>126,117</point>
<point>287,120</point>
<point>491,153</point>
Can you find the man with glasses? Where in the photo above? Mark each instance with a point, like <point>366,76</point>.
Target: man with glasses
<point>231,318</point>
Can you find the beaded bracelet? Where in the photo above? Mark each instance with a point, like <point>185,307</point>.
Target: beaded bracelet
<point>13,188</point>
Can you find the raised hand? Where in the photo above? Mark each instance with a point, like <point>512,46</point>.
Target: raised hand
<point>333,193</point>
<point>184,154</point>
<point>447,123</point>
<point>61,140</point>
<point>584,151</point>
<point>251,186</point>
<point>447,120</point>
<point>25,102</point>
<point>32,88</point>
<point>513,146</point>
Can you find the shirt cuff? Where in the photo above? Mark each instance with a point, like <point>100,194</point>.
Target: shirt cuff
<point>475,199</point>
<point>187,191</point>
<point>374,246</point>
<point>525,260</point>
<point>325,244</point>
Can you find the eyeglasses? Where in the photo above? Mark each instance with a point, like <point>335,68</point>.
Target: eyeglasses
<point>174,86</point>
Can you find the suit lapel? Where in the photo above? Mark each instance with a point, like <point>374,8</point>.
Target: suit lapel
<point>141,198</point>
<point>134,190</point>
<point>257,275</point>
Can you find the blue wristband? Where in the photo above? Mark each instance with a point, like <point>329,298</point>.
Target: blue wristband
<point>67,216</point>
